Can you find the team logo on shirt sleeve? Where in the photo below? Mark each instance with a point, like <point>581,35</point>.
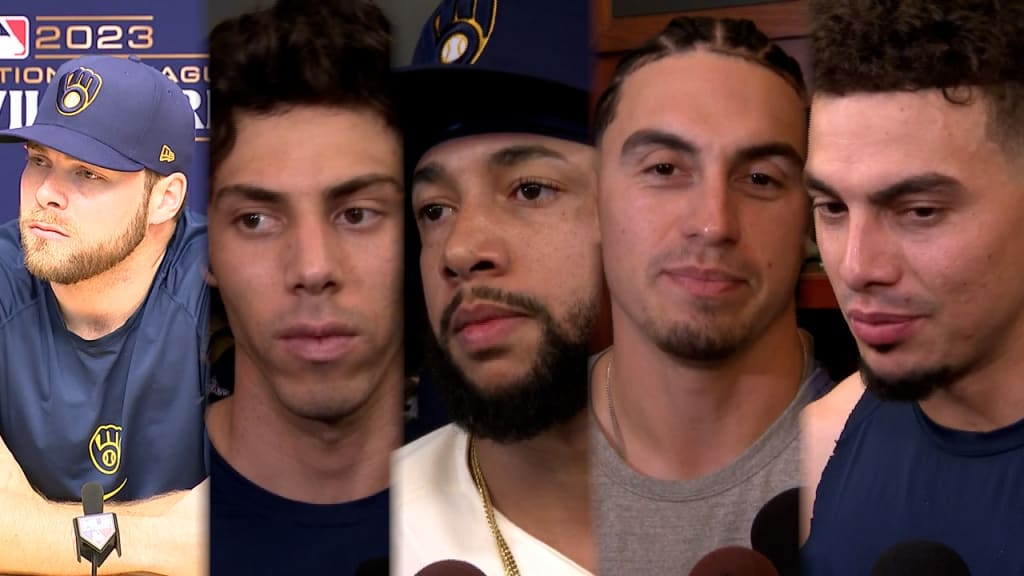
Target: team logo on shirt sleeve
<point>105,449</point>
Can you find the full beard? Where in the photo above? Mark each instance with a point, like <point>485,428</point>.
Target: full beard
<point>551,391</point>
<point>75,264</point>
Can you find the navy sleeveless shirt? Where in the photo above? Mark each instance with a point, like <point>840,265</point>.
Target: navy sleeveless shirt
<point>896,475</point>
<point>124,410</point>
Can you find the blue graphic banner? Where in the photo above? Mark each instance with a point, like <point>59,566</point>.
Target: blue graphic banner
<point>37,36</point>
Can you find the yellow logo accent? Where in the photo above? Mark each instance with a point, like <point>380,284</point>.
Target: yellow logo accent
<point>105,449</point>
<point>114,492</point>
<point>166,154</point>
<point>465,37</point>
<point>78,89</point>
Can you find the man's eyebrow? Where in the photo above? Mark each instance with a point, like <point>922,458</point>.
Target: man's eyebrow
<point>659,138</point>
<point>429,173</point>
<point>916,184</point>
<point>767,150</point>
<point>515,155</point>
<point>354,185</point>
<point>509,156</point>
<point>816,184</point>
<point>249,193</point>
<point>262,195</point>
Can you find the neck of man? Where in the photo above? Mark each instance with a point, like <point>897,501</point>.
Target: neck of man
<point>100,305</point>
<point>989,396</point>
<point>542,486</point>
<point>681,420</point>
<point>313,461</point>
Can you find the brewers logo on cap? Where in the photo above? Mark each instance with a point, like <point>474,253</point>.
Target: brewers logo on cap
<point>78,89</point>
<point>463,34</point>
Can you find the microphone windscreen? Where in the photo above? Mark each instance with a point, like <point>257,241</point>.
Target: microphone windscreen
<point>920,558</point>
<point>734,561</point>
<point>450,568</point>
<point>775,532</point>
<point>92,498</point>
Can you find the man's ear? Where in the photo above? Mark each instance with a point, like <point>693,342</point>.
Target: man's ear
<point>168,198</point>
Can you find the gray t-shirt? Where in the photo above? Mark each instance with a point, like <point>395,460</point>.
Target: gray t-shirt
<point>651,526</point>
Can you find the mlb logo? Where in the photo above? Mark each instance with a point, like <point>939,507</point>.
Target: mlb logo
<point>13,37</point>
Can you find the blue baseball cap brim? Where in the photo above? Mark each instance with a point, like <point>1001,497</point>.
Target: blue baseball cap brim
<point>74,144</point>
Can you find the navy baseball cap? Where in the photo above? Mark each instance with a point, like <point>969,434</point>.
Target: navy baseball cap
<point>116,113</point>
<point>484,66</point>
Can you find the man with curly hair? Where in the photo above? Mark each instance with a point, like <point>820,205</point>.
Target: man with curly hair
<point>306,215</point>
<point>916,174</point>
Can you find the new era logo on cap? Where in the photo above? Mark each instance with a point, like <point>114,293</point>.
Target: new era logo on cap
<point>166,154</point>
<point>14,41</point>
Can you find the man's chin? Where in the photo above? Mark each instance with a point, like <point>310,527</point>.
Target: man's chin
<point>907,384</point>
<point>494,377</point>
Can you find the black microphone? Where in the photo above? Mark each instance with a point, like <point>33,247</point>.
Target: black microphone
<point>775,532</point>
<point>96,533</point>
<point>734,561</point>
<point>450,568</point>
<point>920,558</point>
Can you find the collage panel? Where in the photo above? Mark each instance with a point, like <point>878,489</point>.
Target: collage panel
<point>103,297</point>
<point>700,122</point>
<point>306,219</point>
<point>915,175</point>
<point>503,289</point>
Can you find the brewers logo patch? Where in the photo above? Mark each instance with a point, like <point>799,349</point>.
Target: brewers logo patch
<point>14,40</point>
<point>462,34</point>
<point>78,89</point>
<point>105,448</point>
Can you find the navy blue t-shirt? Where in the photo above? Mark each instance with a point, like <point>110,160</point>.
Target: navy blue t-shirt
<point>124,410</point>
<point>255,532</point>
<point>896,475</point>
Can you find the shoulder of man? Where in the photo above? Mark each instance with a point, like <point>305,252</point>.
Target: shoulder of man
<point>186,262</point>
<point>821,424</point>
<point>16,284</point>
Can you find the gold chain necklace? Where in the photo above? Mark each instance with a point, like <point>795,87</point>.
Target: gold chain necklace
<point>508,562</point>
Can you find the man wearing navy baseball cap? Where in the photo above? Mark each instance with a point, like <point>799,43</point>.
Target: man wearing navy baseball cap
<point>503,184</point>
<point>103,313</point>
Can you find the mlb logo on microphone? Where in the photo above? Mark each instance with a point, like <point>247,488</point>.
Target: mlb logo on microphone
<point>13,38</point>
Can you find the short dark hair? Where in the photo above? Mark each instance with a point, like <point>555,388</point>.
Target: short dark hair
<point>298,53</point>
<point>732,37</point>
<point>909,45</point>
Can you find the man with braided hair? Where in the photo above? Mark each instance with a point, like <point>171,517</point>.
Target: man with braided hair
<point>703,218</point>
<point>916,175</point>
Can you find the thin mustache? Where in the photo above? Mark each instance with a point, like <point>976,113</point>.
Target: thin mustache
<point>701,258</point>
<point>519,302</point>
<point>45,218</point>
